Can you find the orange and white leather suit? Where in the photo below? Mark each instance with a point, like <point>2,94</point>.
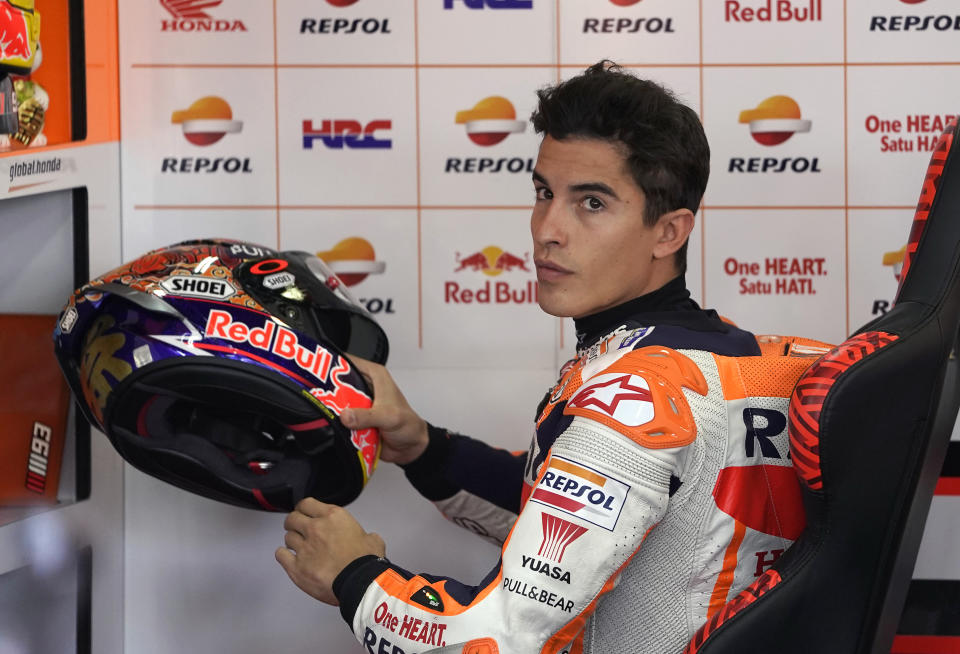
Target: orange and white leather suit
<point>657,486</point>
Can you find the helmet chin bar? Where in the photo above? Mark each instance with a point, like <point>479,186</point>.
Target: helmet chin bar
<point>169,420</point>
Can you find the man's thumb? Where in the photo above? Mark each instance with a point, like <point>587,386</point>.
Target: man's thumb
<point>359,418</point>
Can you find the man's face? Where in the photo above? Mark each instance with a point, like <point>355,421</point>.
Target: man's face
<point>590,246</point>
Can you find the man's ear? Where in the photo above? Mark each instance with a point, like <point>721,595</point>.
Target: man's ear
<point>673,228</point>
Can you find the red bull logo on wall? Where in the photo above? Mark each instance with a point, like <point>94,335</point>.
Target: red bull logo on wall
<point>491,261</point>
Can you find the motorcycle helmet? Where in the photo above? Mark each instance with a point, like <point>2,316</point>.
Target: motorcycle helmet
<point>221,367</point>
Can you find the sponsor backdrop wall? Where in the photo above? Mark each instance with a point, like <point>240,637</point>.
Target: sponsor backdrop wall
<point>392,136</point>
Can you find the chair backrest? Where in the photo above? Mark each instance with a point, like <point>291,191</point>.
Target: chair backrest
<point>869,426</point>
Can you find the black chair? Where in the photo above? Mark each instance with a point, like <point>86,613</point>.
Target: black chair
<point>869,427</point>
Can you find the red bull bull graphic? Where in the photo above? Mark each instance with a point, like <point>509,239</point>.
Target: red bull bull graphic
<point>341,396</point>
<point>492,261</point>
<point>14,36</point>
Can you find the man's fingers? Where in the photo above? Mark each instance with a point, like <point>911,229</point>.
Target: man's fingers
<point>365,367</point>
<point>312,508</point>
<point>286,559</point>
<point>293,540</point>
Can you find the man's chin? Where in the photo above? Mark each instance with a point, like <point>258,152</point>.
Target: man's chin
<point>554,306</point>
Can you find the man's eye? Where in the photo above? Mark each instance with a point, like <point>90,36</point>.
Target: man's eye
<point>591,203</point>
<point>543,193</point>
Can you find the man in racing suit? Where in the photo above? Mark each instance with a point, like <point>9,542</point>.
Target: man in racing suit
<point>657,484</point>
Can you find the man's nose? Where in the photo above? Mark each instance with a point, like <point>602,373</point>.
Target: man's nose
<point>549,224</point>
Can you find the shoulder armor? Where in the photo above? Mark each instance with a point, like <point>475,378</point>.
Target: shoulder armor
<point>640,396</point>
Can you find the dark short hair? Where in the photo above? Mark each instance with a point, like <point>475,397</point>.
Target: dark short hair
<point>666,149</point>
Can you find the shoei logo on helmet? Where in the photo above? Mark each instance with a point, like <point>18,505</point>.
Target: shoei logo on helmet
<point>68,320</point>
<point>198,286</point>
<point>278,280</point>
<point>271,337</point>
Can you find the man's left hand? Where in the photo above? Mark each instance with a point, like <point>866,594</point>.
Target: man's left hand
<point>321,540</point>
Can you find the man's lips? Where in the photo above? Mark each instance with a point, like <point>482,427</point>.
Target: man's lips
<point>547,271</point>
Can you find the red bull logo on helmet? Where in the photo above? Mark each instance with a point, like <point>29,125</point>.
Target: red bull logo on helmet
<point>342,395</point>
<point>272,337</point>
<point>582,492</point>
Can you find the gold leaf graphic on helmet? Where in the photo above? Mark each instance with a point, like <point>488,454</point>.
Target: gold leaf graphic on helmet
<point>98,359</point>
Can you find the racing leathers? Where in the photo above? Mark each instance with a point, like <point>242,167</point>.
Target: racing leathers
<point>657,486</point>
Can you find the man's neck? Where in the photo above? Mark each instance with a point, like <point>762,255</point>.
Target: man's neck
<point>672,296</point>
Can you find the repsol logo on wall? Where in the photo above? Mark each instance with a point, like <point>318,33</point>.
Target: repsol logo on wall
<point>204,123</point>
<point>489,122</point>
<point>647,25</point>
<point>772,122</point>
<point>941,23</point>
<point>345,26</point>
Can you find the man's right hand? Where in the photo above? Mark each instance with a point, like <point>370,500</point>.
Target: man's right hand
<point>403,432</point>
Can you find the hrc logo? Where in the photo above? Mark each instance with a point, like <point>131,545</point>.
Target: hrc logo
<point>337,134</point>
<point>492,4</point>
